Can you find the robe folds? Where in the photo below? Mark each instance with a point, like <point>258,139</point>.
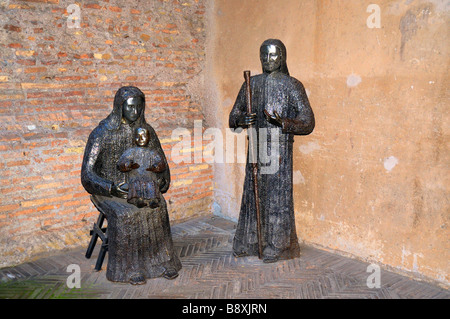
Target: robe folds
<point>278,92</point>
<point>139,239</point>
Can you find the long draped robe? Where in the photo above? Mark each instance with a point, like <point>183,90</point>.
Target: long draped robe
<point>139,239</point>
<point>279,92</point>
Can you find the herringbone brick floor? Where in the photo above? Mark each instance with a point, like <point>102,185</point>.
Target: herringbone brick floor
<point>210,271</point>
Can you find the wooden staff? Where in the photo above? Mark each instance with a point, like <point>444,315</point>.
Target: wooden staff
<point>253,149</point>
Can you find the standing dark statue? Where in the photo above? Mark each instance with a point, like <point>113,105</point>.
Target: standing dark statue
<point>281,109</point>
<point>139,238</point>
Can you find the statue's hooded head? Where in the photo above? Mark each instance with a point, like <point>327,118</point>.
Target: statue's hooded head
<point>273,56</point>
<point>127,99</point>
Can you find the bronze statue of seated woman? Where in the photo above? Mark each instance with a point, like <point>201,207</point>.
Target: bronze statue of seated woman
<point>139,238</point>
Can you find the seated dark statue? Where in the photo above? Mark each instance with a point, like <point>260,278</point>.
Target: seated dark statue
<point>139,235</point>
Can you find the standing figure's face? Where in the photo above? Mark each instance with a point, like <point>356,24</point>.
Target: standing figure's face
<point>141,137</point>
<point>270,56</point>
<point>132,109</point>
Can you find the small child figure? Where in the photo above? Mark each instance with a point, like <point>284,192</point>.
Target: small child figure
<point>142,165</point>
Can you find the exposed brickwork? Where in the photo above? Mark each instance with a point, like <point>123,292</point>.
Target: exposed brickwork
<point>57,83</point>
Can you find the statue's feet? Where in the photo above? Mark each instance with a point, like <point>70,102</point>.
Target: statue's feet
<point>238,254</point>
<point>270,259</point>
<point>170,273</point>
<point>137,279</point>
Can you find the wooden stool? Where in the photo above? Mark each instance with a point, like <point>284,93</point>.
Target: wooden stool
<point>96,232</point>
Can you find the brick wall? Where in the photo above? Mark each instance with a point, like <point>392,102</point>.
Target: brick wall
<point>58,82</point>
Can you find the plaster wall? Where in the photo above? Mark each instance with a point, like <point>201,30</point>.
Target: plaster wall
<point>372,180</point>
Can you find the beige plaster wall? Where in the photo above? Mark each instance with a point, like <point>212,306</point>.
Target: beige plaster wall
<point>372,180</point>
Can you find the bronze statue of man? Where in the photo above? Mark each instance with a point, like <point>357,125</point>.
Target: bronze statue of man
<point>281,109</point>
<point>139,238</point>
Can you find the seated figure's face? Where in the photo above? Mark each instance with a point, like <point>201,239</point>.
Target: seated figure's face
<point>132,109</point>
<point>141,136</point>
<point>270,56</point>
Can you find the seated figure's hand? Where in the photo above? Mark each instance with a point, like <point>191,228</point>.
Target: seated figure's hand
<point>157,167</point>
<point>126,166</point>
<point>116,191</point>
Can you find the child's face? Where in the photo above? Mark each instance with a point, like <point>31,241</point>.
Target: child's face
<point>141,137</point>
